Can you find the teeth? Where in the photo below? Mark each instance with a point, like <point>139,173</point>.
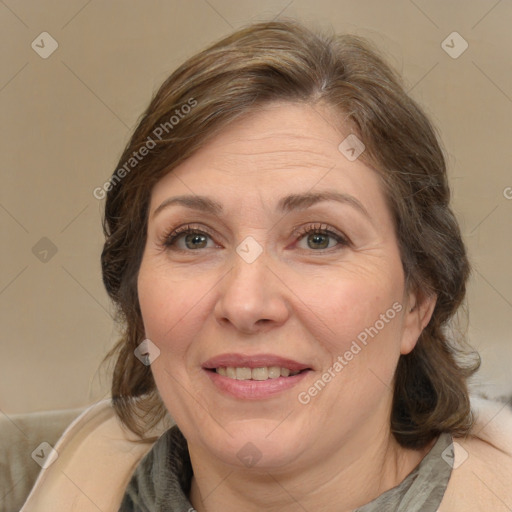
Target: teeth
<point>274,372</point>
<point>259,373</point>
<point>263,373</point>
<point>243,373</point>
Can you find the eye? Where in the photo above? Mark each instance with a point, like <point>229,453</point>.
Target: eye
<point>320,237</point>
<point>187,238</point>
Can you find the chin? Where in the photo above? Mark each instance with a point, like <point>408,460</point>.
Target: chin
<point>256,443</point>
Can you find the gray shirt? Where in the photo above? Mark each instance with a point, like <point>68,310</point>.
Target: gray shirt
<point>161,481</point>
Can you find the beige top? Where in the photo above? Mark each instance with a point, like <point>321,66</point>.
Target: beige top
<point>97,457</point>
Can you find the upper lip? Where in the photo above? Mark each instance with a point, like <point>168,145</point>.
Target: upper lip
<point>253,361</point>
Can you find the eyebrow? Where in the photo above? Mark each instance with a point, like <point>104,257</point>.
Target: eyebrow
<point>285,204</point>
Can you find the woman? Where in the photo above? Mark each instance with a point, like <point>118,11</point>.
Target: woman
<point>281,249</point>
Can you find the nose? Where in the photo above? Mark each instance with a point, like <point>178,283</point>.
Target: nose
<point>252,297</point>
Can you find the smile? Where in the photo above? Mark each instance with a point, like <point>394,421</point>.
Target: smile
<point>255,376</point>
<point>263,373</point>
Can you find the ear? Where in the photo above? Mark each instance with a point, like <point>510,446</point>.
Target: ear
<point>416,317</point>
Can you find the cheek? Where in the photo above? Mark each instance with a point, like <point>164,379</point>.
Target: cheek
<point>360,331</point>
<point>351,308</point>
<point>167,308</point>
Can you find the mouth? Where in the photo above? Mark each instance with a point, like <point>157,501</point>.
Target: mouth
<point>258,376</point>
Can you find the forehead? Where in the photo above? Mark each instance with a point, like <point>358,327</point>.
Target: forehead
<point>279,135</point>
<point>279,148</point>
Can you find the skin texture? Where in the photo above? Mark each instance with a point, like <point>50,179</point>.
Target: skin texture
<point>303,298</point>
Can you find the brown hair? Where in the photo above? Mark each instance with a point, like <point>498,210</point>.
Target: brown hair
<point>284,61</point>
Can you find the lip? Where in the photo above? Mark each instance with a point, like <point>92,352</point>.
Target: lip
<point>253,361</point>
<point>253,389</point>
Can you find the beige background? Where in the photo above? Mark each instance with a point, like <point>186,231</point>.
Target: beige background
<point>66,119</point>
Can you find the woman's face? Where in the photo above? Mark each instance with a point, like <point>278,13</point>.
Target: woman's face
<point>269,252</point>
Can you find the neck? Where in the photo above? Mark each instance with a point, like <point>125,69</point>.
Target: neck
<point>346,478</point>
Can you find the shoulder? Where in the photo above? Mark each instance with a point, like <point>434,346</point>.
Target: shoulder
<point>482,467</point>
<point>95,458</point>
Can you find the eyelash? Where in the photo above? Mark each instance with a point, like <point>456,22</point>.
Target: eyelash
<point>169,239</point>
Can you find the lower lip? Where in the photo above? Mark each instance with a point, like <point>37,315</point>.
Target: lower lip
<point>254,389</point>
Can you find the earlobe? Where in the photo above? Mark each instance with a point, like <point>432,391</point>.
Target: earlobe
<point>416,319</point>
